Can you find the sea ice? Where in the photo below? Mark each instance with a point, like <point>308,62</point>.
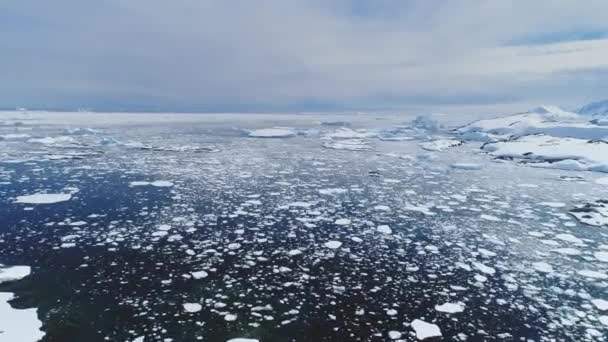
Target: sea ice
<point>425,330</point>
<point>276,132</point>
<point>43,198</point>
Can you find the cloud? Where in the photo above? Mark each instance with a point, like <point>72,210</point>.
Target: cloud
<point>239,55</point>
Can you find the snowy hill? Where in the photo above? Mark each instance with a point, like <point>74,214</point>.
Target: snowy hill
<point>546,136</point>
<point>599,108</point>
<point>549,120</point>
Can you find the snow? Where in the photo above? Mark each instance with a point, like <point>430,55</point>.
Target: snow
<point>450,307</point>
<point>192,307</point>
<point>275,132</point>
<point>43,198</point>
<point>333,244</point>
<point>425,330</point>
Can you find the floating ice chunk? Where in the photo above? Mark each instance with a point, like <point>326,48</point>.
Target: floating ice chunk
<point>384,229</point>
<point>382,208</point>
<point>425,330</point>
<point>43,198</point>
<point>139,183</point>
<point>419,208</point>
<point>593,214</point>
<point>593,274</point>
<point>52,141</point>
<point>483,268</point>
<point>601,304</point>
<point>426,122</point>
<point>276,132</point>
<point>489,218</point>
<point>552,204</point>
<point>199,274</point>
<point>333,244</point>
<point>568,238</point>
<point>567,251</point>
<point>17,325</point>
<point>467,166</point>
<point>348,144</point>
<point>542,267</point>
<point>14,273</point>
<point>333,191</point>
<point>242,339</point>
<point>602,181</point>
<point>234,246</point>
<point>439,145</point>
<point>161,184</point>
<point>301,204</point>
<point>294,252</point>
<point>450,307</point>
<point>342,222</point>
<point>335,123</point>
<point>230,318</point>
<point>394,335</point>
<point>601,256</point>
<point>192,307</point>
<point>14,136</point>
<point>347,133</point>
<point>552,152</point>
<point>80,131</point>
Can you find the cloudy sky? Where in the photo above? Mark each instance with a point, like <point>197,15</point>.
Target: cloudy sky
<point>302,55</point>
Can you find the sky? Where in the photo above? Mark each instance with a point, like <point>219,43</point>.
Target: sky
<point>299,56</point>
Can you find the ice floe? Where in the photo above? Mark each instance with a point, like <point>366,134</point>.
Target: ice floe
<point>450,308</point>
<point>16,324</point>
<point>275,132</point>
<point>425,330</point>
<point>551,152</point>
<point>43,198</point>
<point>439,145</point>
<point>593,214</point>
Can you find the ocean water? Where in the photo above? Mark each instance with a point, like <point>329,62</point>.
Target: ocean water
<point>292,236</point>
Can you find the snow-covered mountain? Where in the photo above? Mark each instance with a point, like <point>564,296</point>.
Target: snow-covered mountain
<point>599,108</point>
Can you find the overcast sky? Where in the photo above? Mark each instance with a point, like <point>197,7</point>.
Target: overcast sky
<point>296,55</point>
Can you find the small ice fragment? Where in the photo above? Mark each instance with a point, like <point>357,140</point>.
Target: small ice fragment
<point>333,244</point>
